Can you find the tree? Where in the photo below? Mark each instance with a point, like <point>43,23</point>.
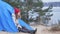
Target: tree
<point>27,5</point>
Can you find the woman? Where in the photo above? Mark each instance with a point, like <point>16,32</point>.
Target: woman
<point>17,16</point>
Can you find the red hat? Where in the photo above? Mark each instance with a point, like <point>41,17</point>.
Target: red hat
<point>17,10</point>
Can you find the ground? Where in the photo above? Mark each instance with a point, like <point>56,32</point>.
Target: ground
<point>41,30</point>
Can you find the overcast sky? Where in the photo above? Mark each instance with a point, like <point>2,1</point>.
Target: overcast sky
<point>51,0</point>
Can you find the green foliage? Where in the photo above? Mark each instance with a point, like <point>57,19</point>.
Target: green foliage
<point>28,5</point>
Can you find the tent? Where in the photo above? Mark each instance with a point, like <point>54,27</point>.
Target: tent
<point>6,21</point>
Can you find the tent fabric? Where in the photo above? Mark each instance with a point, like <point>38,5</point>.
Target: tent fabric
<point>7,6</point>
<point>6,21</point>
<point>23,24</point>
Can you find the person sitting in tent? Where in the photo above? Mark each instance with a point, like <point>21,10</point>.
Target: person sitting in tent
<point>16,16</point>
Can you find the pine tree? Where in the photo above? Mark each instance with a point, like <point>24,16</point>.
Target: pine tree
<point>27,5</point>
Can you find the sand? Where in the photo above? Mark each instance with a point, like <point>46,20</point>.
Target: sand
<point>40,30</point>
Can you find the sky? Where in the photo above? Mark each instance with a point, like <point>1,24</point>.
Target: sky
<point>51,0</point>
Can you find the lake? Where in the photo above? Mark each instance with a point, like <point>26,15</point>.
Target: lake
<point>56,15</point>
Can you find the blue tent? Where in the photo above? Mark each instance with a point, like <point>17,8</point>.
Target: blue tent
<point>6,21</point>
